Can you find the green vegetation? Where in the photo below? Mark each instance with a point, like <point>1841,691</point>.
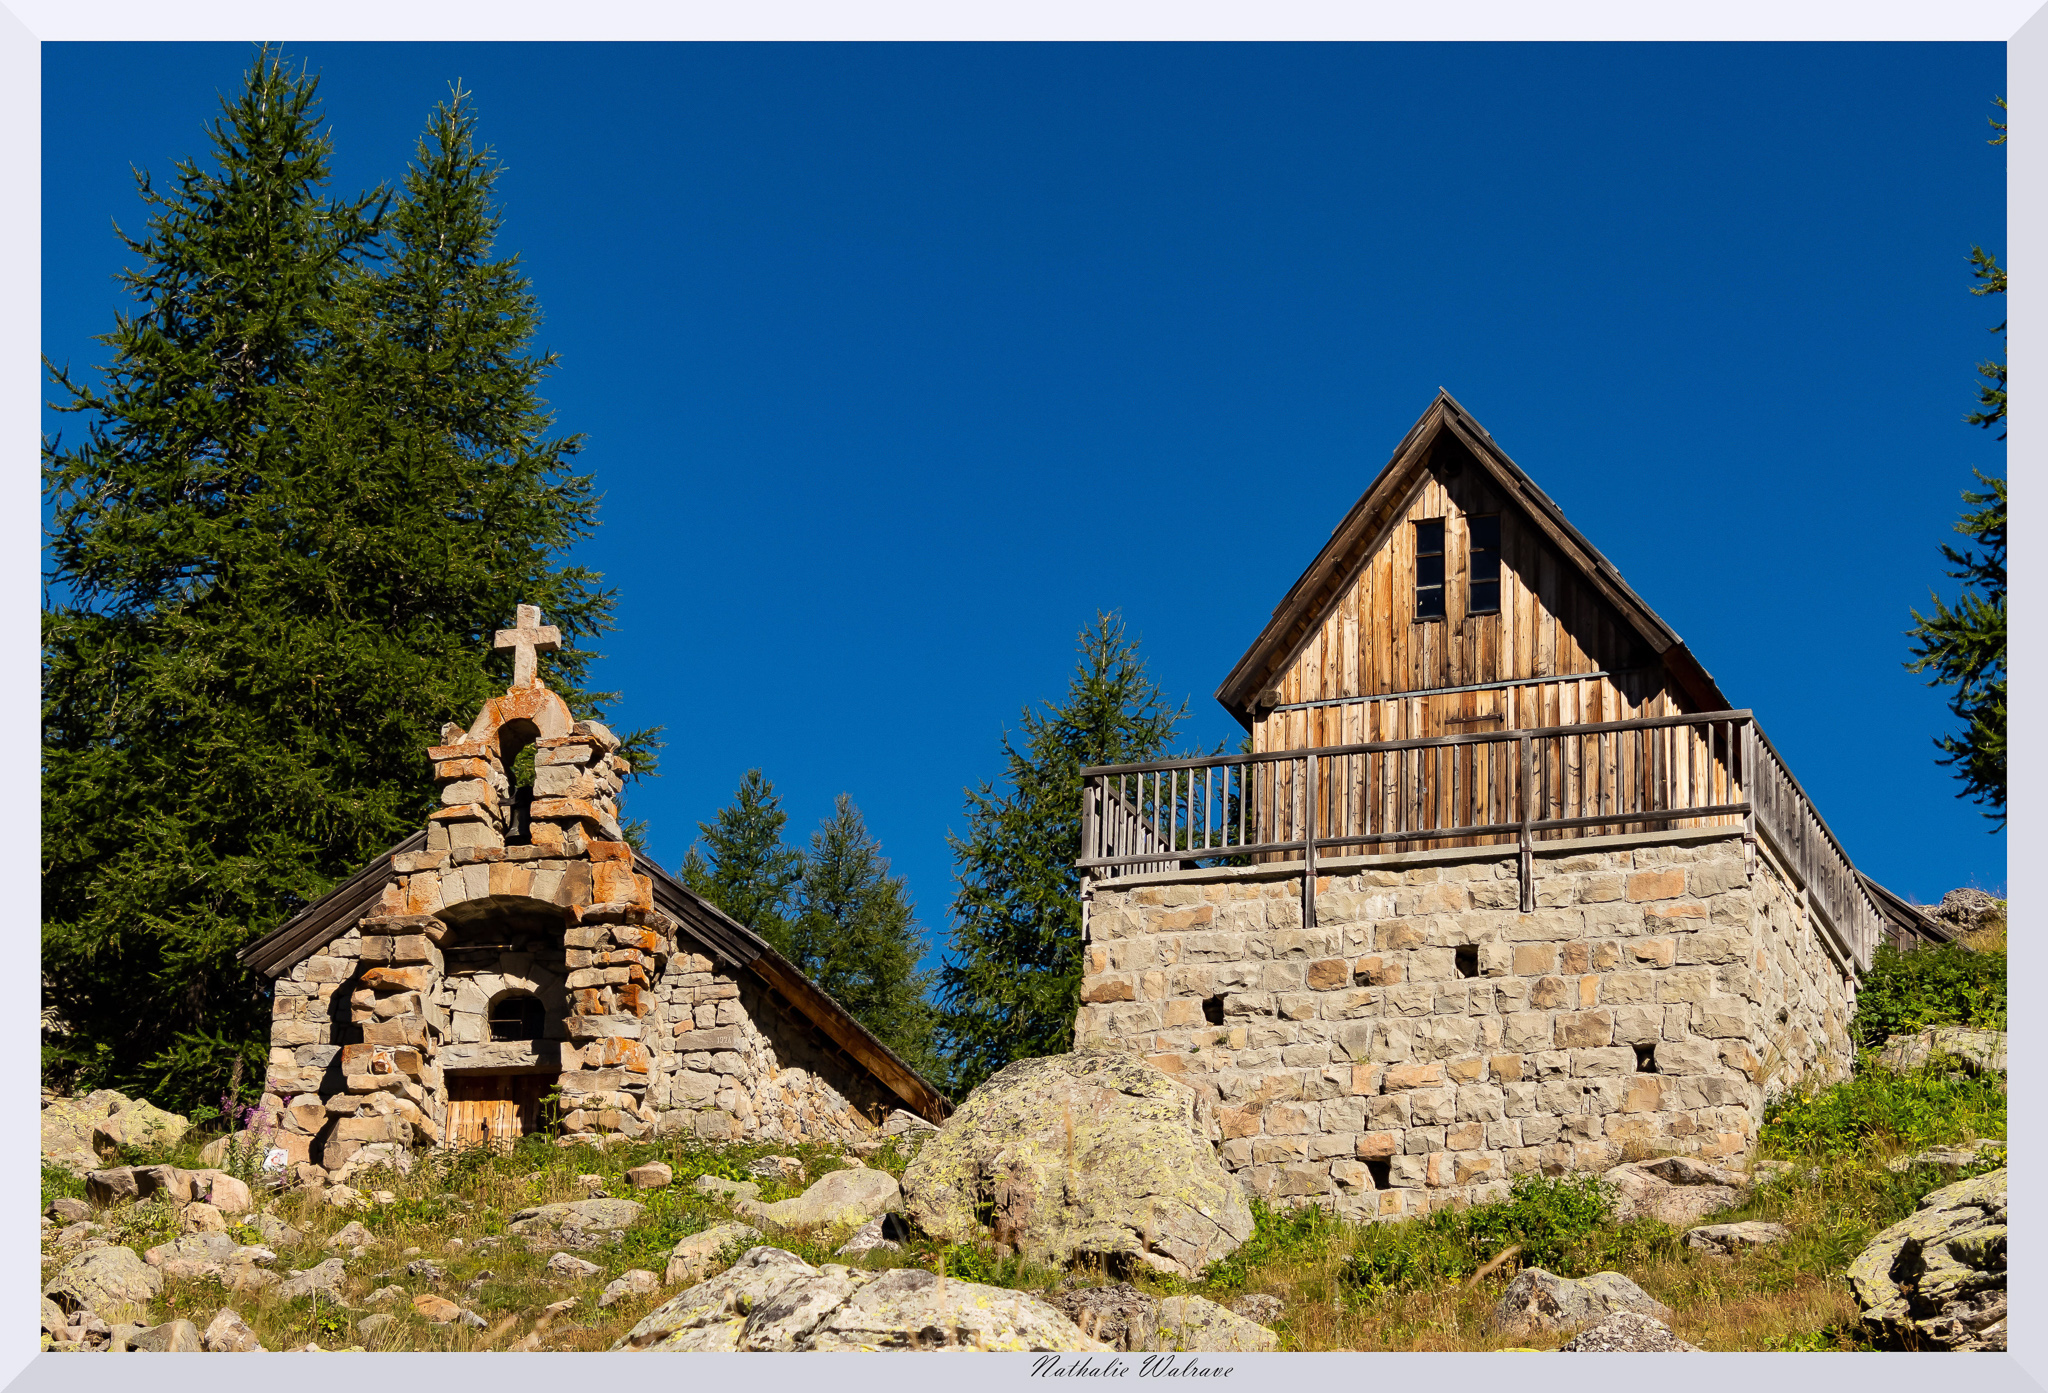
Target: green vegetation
<point>1940,984</point>
<point>1964,646</point>
<point>1011,983</point>
<point>314,475</point>
<point>1924,1107</point>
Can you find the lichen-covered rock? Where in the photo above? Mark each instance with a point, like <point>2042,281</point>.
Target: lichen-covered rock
<point>325,1278</point>
<point>172,1337</point>
<point>773,1300</point>
<point>140,1123</point>
<point>1095,1153</point>
<point>1539,1300</point>
<point>1726,1240</point>
<point>579,1224</point>
<point>654,1175</point>
<point>112,1185</point>
<point>1937,1278</point>
<point>1677,1190</point>
<point>194,1255</point>
<point>1194,1324</point>
<point>1977,1051</point>
<point>111,1282</point>
<point>571,1267</point>
<point>1951,1156</point>
<point>1119,1315</point>
<point>694,1257</point>
<point>845,1197</point>
<point>885,1233</point>
<point>67,1130</point>
<point>726,1191</point>
<point>1628,1332</point>
<point>638,1282</point>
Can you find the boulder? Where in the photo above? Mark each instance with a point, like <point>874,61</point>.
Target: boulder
<point>726,1191</point>
<point>325,1279</point>
<point>76,1235</point>
<point>1627,1332</point>
<point>776,1168</point>
<point>68,1126</point>
<point>1539,1300</point>
<point>846,1197</point>
<point>1951,1156</point>
<point>886,1233</point>
<point>172,1337</point>
<point>564,1265</point>
<point>1977,1051</point>
<point>1191,1323</point>
<point>638,1282</point>
<point>652,1176</point>
<point>1092,1153</point>
<point>66,1210</point>
<point>228,1333</point>
<point>111,1282</point>
<point>578,1224</point>
<point>1726,1240</point>
<point>385,1296</point>
<point>194,1255</point>
<point>221,1190</point>
<point>371,1326</point>
<point>276,1232</point>
<point>140,1123</point>
<point>774,1300</point>
<point>350,1235</point>
<point>54,1321</point>
<point>694,1257</point>
<point>111,1186</point>
<point>346,1198</point>
<point>1677,1190</point>
<point>1937,1277</point>
<point>1966,910</point>
<point>1119,1315</point>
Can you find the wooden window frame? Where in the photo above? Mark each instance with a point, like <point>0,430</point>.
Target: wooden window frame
<point>1442,558</point>
<point>1471,550</point>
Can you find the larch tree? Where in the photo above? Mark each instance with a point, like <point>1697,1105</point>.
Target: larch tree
<point>314,477</point>
<point>743,866</point>
<point>1010,985</point>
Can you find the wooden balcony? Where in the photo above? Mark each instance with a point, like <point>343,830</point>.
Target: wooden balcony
<point>1519,788</point>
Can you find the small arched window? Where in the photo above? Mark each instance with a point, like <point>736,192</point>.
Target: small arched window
<point>516,1017</point>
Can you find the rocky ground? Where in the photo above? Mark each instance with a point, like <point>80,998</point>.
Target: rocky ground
<point>576,1244</point>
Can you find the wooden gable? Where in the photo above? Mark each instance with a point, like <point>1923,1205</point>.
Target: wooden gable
<point>1345,658</point>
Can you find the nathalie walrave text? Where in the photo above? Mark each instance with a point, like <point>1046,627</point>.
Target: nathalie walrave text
<point>1151,1366</point>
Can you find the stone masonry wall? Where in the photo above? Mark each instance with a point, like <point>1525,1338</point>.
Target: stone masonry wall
<point>1425,1041</point>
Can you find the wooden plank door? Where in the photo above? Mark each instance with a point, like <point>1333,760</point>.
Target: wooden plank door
<point>494,1109</point>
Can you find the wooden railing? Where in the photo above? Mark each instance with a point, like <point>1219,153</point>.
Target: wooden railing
<point>1496,787</point>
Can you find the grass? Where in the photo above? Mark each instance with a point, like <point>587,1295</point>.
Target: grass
<point>1406,1285</point>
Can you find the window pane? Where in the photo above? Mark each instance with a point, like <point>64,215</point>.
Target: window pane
<point>1429,537</point>
<point>1485,597</point>
<point>1485,533</point>
<point>1429,570</point>
<point>1429,602</point>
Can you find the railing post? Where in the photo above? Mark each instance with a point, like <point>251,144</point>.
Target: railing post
<point>1528,854</point>
<point>1308,849</point>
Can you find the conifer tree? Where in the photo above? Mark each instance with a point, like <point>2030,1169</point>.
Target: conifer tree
<point>1964,644</point>
<point>855,934</point>
<point>744,868</point>
<point>314,477</point>
<point>1010,986</point>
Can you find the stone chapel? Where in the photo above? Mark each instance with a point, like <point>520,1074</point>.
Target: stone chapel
<point>515,964</point>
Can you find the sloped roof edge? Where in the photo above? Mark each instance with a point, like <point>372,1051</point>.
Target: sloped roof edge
<point>724,937</point>
<point>1311,591</point>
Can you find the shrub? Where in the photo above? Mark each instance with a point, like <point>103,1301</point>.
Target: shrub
<point>1944,984</point>
<point>1922,1107</point>
<point>1278,1235</point>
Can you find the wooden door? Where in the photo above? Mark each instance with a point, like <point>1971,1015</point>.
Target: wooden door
<point>494,1109</point>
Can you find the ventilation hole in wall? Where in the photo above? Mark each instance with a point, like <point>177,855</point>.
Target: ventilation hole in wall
<point>1468,960</point>
<point>1212,1010</point>
<point>1784,1014</point>
<point>1382,1173</point>
<point>1646,1059</point>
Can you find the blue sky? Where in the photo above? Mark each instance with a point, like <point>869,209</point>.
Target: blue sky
<point>899,362</point>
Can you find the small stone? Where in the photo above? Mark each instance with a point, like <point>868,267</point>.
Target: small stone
<point>559,1308</point>
<point>1726,1240</point>
<point>350,1235</point>
<point>385,1296</point>
<point>693,1258</point>
<point>637,1282</point>
<point>1628,1332</point>
<point>201,1217</point>
<point>526,1344</point>
<point>66,1210</point>
<point>777,1168</point>
<point>228,1333</point>
<point>371,1326</point>
<point>729,1191</point>
<point>345,1198</point>
<point>1261,1308</point>
<point>326,1279</point>
<point>438,1309</point>
<point>172,1337</point>
<point>652,1176</point>
<point>570,1266</point>
<point>885,1232</point>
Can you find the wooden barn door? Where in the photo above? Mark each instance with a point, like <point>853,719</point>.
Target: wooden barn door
<point>494,1109</point>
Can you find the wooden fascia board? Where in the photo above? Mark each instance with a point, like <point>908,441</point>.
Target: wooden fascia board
<point>1308,595</point>
<point>327,918</point>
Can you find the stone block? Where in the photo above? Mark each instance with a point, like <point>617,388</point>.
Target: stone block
<point>1665,883</point>
<point>1583,1029</point>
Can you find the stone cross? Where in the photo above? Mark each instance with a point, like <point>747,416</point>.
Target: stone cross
<point>529,638</point>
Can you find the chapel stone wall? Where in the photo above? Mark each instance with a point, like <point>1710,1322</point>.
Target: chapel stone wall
<point>1426,1041</point>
